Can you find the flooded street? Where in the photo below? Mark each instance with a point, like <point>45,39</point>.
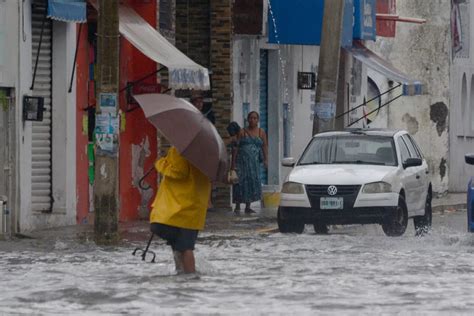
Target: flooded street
<point>352,270</point>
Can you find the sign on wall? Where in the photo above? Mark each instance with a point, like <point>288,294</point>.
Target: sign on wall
<point>364,20</point>
<point>386,28</point>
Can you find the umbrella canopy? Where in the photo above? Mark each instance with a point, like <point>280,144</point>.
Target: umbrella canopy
<point>189,131</point>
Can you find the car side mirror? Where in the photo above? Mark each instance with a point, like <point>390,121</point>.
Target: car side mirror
<point>469,159</point>
<point>412,162</point>
<point>288,162</point>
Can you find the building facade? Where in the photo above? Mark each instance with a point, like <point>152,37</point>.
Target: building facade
<point>266,80</point>
<point>38,177</point>
<point>461,87</point>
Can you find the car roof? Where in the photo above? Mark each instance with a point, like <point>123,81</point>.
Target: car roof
<point>361,131</point>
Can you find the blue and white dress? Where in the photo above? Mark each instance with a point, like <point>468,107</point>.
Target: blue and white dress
<point>248,160</point>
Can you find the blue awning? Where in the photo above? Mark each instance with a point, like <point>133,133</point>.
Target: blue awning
<point>68,10</point>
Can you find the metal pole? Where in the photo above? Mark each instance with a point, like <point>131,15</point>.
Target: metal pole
<point>328,69</point>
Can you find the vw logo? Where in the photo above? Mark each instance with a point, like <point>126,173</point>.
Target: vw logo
<point>332,190</point>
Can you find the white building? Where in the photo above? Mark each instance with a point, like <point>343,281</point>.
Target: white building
<point>37,159</point>
<point>461,133</point>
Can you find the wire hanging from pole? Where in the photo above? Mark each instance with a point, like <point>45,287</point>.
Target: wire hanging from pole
<point>365,103</point>
<point>386,103</point>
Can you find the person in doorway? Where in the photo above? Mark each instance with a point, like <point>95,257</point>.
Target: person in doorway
<point>197,100</point>
<point>179,209</point>
<point>250,152</point>
<point>233,129</point>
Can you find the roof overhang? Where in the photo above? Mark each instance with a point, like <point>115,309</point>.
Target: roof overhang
<point>384,67</point>
<point>184,73</point>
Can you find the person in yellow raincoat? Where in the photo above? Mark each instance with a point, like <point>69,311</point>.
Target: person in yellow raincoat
<point>179,209</point>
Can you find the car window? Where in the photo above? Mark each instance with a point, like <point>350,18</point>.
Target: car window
<point>411,148</point>
<point>418,150</point>
<point>403,150</point>
<point>350,149</point>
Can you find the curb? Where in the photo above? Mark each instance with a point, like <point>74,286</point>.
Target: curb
<point>442,208</point>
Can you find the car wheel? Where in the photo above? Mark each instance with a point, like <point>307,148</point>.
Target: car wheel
<point>321,228</point>
<point>396,224</point>
<point>423,223</point>
<point>289,226</point>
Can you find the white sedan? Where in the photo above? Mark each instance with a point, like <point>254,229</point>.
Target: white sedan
<point>358,176</point>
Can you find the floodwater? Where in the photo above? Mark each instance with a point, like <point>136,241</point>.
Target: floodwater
<point>353,270</point>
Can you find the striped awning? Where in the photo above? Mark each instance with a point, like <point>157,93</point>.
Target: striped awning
<point>68,10</point>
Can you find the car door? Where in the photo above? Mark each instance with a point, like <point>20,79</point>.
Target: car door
<point>408,177</point>
<point>423,172</point>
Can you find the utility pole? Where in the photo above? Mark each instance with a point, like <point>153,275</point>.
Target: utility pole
<point>106,198</point>
<point>328,69</point>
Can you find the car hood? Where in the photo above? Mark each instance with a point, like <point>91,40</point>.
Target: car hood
<point>340,174</point>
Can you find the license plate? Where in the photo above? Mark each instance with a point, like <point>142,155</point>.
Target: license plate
<point>331,203</point>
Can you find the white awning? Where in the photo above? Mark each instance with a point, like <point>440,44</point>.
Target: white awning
<point>183,72</point>
<point>410,86</point>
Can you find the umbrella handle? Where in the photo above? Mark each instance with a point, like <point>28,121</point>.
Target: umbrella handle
<point>140,183</point>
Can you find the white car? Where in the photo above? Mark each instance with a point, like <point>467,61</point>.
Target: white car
<point>357,176</point>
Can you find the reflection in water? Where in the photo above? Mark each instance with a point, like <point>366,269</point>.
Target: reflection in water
<point>344,272</point>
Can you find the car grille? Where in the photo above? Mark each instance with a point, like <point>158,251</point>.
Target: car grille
<point>349,192</point>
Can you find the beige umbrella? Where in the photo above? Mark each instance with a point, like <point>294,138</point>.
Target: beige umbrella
<point>189,131</point>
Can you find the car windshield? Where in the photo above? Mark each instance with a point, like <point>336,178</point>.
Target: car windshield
<point>350,149</point>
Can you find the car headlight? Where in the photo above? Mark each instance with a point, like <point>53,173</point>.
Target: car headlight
<point>292,188</point>
<point>377,187</point>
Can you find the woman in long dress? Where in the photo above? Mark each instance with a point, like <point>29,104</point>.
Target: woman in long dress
<point>250,153</point>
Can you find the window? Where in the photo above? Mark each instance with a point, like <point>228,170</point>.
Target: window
<point>373,95</point>
<point>462,117</point>
<point>368,150</point>
<point>165,15</point>
<point>403,150</point>
<point>411,148</point>
<point>417,148</point>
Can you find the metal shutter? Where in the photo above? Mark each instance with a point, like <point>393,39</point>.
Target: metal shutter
<point>41,178</point>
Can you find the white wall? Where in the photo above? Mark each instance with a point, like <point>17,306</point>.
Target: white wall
<point>462,115</point>
<point>64,154</point>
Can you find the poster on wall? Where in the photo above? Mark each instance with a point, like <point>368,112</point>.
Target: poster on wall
<point>106,132</point>
<point>108,103</point>
<point>460,30</point>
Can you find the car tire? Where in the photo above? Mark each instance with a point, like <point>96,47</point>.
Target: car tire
<point>287,226</point>
<point>321,228</point>
<point>423,223</point>
<point>396,224</point>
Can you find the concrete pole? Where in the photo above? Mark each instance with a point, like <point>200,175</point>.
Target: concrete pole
<point>328,69</point>
<point>106,199</point>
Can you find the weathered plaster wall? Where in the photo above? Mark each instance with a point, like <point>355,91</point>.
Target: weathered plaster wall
<point>423,51</point>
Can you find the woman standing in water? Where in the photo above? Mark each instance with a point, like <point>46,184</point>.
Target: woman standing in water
<point>250,152</point>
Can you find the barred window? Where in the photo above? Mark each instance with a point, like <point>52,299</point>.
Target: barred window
<point>165,15</point>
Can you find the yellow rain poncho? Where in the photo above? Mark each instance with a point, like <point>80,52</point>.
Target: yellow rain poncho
<point>183,194</point>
